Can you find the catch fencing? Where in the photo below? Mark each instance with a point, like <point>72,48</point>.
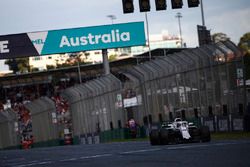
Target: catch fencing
<point>200,82</point>
<point>95,106</point>
<point>43,128</point>
<point>8,129</point>
<point>203,84</point>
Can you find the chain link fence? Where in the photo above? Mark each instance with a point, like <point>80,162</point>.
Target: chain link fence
<point>203,84</point>
<point>8,129</point>
<point>195,83</point>
<point>95,106</point>
<point>43,128</point>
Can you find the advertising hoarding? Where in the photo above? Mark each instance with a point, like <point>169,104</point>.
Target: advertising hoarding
<point>72,40</point>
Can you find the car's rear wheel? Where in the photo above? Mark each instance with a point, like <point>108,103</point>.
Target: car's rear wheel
<point>205,135</point>
<point>164,136</point>
<point>195,134</point>
<point>154,137</point>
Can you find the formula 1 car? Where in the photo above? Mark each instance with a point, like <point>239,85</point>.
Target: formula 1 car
<point>178,132</point>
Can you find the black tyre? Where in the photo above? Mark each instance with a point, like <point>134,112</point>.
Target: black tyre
<point>154,137</point>
<point>178,137</point>
<point>195,134</point>
<point>164,136</point>
<point>205,134</point>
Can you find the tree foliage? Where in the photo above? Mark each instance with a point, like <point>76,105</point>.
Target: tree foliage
<point>218,37</point>
<point>18,65</point>
<point>50,67</point>
<point>113,57</point>
<point>244,43</point>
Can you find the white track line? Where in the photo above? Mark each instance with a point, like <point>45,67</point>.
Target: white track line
<point>34,164</point>
<point>96,156</point>
<point>140,151</point>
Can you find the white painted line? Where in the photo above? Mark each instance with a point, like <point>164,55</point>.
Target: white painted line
<point>186,147</point>
<point>140,151</point>
<point>43,163</point>
<point>34,164</point>
<point>176,148</point>
<point>86,157</point>
<point>96,156</point>
<point>24,165</point>
<point>224,144</point>
<point>64,160</point>
<point>33,161</point>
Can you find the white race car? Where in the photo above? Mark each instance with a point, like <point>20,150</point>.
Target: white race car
<point>177,132</point>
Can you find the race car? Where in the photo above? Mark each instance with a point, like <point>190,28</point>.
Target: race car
<point>178,132</point>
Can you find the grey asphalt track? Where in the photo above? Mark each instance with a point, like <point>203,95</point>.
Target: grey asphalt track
<point>133,154</point>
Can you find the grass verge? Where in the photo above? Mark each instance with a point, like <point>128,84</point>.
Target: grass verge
<point>230,135</point>
<point>214,136</point>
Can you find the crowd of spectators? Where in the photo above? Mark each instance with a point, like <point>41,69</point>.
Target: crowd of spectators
<point>24,124</point>
<point>63,118</point>
<point>15,98</point>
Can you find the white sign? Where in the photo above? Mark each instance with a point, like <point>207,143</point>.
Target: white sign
<point>4,47</point>
<point>239,73</point>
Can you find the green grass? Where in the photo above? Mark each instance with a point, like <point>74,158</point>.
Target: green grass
<point>214,136</point>
<point>230,135</point>
<point>127,140</point>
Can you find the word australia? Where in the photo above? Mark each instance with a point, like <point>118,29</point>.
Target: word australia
<point>113,37</point>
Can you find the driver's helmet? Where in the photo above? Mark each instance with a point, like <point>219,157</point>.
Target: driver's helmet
<point>177,120</point>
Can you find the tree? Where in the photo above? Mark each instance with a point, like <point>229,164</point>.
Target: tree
<point>18,65</point>
<point>244,43</point>
<point>35,69</point>
<point>113,57</point>
<point>50,67</point>
<point>218,37</point>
